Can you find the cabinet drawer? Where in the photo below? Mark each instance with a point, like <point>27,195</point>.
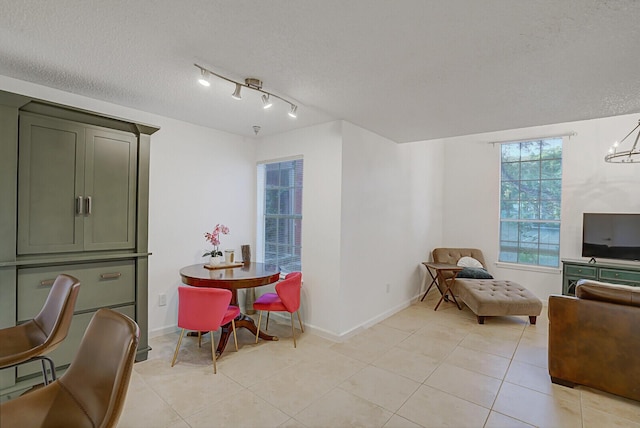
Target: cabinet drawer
<point>101,284</point>
<point>615,275</point>
<point>586,272</point>
<point>64,353</point>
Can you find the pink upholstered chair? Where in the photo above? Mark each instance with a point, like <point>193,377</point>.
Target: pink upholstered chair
<point>285,299</point>
<point>205,309</point>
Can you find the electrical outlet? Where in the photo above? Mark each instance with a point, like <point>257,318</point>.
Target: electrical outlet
<point>162,300</point>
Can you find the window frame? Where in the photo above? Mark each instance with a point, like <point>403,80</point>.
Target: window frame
<point>526,224</point>
<point>292,219</point>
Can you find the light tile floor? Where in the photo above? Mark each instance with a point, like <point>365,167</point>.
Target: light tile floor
<point>418,368</point>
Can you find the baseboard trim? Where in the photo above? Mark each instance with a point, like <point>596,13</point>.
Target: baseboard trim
<point>325,334</point>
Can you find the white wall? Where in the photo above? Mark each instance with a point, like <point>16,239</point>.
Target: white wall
<point>320,147</point>
<point>391,218</point>
<point>588,185</point>
<point>198,177</point>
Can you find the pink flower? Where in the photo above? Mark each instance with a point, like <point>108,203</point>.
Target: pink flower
<point>214,239</point>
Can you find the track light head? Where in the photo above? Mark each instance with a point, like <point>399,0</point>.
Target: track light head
<point>236,94</point>
<point>204,78</point>
<point>266,101</point>
<point>294,111</point>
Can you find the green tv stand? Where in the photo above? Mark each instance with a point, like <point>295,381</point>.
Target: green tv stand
<point>606,271</point>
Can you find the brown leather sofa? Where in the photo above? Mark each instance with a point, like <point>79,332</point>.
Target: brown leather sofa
<point>594,338</point>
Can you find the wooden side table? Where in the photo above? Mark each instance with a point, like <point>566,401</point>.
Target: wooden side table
<point>441,281</point>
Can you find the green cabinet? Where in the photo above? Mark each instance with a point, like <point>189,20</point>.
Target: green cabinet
<point>617,273</point>
<point>74,192</point>
<point>76,186</point>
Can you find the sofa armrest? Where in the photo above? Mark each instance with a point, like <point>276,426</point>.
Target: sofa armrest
<point>563,340</point>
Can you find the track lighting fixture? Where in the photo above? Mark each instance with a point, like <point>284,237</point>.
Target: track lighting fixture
<point>294,111</point>
<point>251,83</point>
<point>204,78</point>
<point>236,93</point>
<point>266,102</point>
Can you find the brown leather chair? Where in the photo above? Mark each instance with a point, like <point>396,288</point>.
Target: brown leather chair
<point>35,338</point>
<point>92,392</point>
<point>594,339</point>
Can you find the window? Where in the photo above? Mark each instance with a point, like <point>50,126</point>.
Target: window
<point>530,194</point>
<point>280,214</point>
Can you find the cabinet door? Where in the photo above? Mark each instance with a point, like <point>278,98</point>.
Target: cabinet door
<point>51,163</point>
<point>110,189</point>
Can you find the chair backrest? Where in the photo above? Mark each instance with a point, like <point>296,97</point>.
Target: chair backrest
<point>55,316</point>
<point>201,308</point>
<point>289,291</point>
<point>452,255</point>
<point>92,392</point>
<point>98,377</point>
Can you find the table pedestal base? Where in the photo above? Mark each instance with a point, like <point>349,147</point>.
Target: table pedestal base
<point>243,321</point>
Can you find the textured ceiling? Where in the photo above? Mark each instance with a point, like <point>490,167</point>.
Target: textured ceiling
<point>407,70</point>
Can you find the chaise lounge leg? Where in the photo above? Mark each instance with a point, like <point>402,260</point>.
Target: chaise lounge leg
<point>532,320</point>
<point>480,319</point>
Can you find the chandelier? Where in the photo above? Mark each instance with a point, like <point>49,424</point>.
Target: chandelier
<point>250,83</point>
<point>617,155</point>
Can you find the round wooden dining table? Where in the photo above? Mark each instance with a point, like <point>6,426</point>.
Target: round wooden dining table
<point>249,275</point>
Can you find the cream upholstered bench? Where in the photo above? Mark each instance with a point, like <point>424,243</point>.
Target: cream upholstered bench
<point>489,297</point>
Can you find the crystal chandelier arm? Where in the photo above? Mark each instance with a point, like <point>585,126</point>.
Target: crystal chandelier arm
<point>635,143</point>
<point>624,156</point>
<point>625,137</point>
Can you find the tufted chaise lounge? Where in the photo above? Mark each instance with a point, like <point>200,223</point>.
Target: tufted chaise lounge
<point>489,297</point>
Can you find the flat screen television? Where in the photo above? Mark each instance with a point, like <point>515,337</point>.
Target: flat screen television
<point>611,236</point>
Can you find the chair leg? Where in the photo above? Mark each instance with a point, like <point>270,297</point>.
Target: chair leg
<point>175,354</point>
<point>258,329</point>
<point>213,353</point>
<point>267,327</point>
<point>45,376</point>
<point>293,331</point>
<point>199,339</point>
<point>300,321</point>
<point>52,368</point>
<point>235,338</point>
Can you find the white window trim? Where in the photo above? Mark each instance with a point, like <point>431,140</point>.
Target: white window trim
<point>259,256</point>
<point>566,137</point>
<point>532,268</point>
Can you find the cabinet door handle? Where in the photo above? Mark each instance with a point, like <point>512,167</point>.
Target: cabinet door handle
<point>47,282</point>
<point>111,275</point>
<point>79,205</point>
<point>88,205</point>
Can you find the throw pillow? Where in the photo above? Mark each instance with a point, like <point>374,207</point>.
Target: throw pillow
<point>469,262</point>
<point>475,273</point>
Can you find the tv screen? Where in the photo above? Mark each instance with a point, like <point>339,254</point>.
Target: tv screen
<point>611,236</point>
